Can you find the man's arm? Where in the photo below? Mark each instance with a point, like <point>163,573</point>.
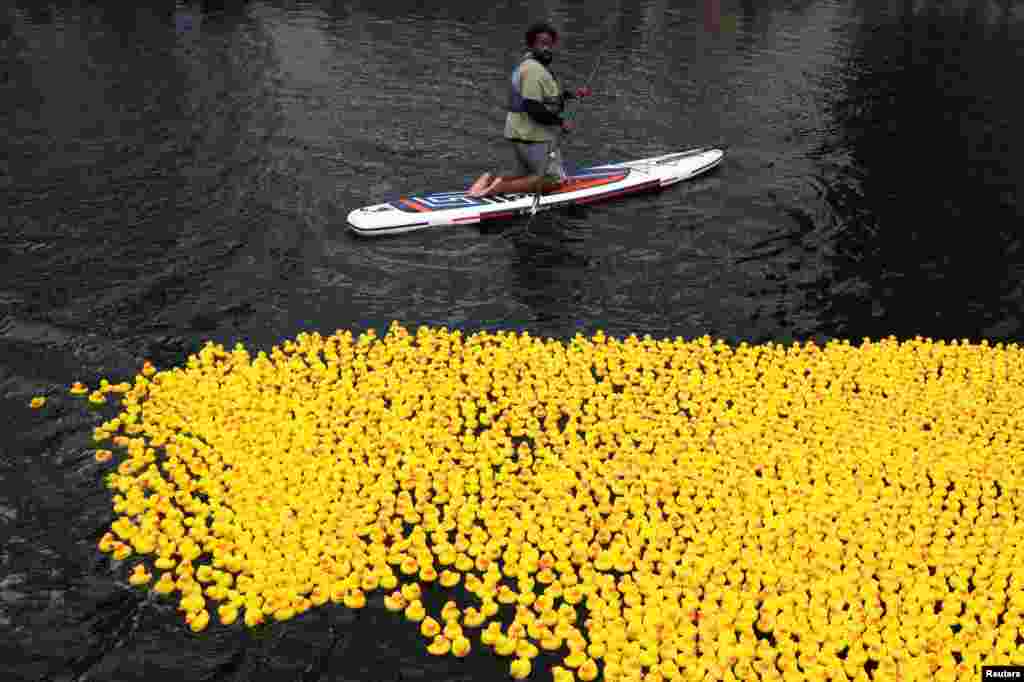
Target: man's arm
<point>540,113</point>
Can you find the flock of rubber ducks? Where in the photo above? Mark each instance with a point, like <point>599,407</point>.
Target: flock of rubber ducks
<point>652,508</point>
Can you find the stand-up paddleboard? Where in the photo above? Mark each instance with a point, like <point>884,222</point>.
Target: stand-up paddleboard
<point>589,185</point>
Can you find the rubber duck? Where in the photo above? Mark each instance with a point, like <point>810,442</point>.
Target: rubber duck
<point>216,592</point>
<point>198,620</point>
<point>472,617</point>
<point>450,611</point>
<point>395,602</point>
<point>575,659</point>
<point>228,614</point>
<point>588,671</point>
<point>286,612</point>
<point>253,616</point>
<point>320,595</point>
<point>460,647</point>
<point>526,649</point>
<point>415,611</point>
<point>520,668</point>
<point>440,646</point>
<point>446,556</point>
<point>490,634</point>
<point>506,595</point>
<point>369,582</point>
<point>165,584</point>
<point>452,630</point>
<point>449,578</point>
<point>139,576</point>
<point>411,592</point>
<point>355,599</point>
<point>78,388</point>
<point>560,674</point>
<point>388,580</point>
<point>429,627</point>
<point>505,645</point>
<point>191,603</point>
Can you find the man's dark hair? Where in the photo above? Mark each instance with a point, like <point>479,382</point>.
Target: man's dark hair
<point>537,29</point>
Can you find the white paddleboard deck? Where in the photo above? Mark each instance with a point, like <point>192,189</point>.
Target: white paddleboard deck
<point>596,183</point>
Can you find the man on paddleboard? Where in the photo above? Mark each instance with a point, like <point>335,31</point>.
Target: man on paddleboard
<point>533,123</point>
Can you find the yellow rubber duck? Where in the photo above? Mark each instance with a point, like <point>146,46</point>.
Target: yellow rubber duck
<point>575,659</point>
<point>388,580</point>
<point>370,581</point>
<point>506,595</point>
<point>354,599</point>
<point>460,647</point>
<point>560,674</point>
<point>228,614</point>
<point>491,633</point>
<point>588,671</point>
<point>78,388</point>
<point>191,603</point>
<point>319,596</point>
<point>253,616</point>
<point>395,602</point>
<point>216,592</point>
<point>440,646</point>
<point>520,668</point>
<point>550,642</point>
<point>286,612</point>
<point>415,611</point>
<point>429,627</point>
<point>505,645</point>
<point>446,556</point>
<point>452,630</point>
<point>450,611</point>
<point>139,576</point>
<point>449,578</point>
<point>526,649</point>
<point>165,584</point>
<point>472,618</point>
<point>198,620</point>
<point>412,592</point>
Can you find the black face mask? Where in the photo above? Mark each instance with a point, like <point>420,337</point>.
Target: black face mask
<point>542,55</point>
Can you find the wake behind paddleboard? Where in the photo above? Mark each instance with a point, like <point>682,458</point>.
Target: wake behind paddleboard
<point>596,183</point>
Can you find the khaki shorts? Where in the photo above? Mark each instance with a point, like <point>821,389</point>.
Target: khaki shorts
<point>536,158</point>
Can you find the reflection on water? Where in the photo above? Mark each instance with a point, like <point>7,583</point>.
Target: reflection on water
<point>180,173</point>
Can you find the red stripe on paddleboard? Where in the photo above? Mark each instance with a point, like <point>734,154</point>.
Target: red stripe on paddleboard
<point>472,218</point>
<point>654,184</point>
<point>413,205</point>
<point>577,185</point>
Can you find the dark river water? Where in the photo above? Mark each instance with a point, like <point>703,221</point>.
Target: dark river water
<point>177,174</point>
